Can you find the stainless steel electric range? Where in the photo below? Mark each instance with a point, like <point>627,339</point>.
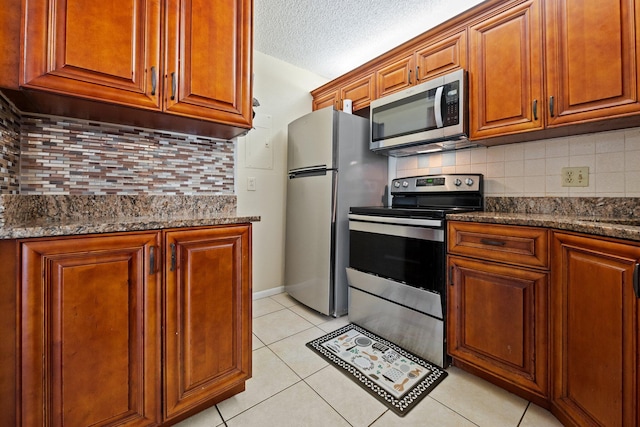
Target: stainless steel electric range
<point>397,257</point>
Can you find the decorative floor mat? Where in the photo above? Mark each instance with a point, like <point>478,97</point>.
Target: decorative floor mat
<point>394,376</point>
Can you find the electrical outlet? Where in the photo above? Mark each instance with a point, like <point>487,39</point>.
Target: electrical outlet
<point>251,183</point>
<point>575,177</point>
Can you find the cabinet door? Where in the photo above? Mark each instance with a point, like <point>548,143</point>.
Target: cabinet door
<point>208,60</point>
<point>326,99</point>
<point>497,322</point>
<point>505,72</point>
<point>395,76</point>
<point>208,315</point>
<point>592,59</point>
<point>441,57</point>
<point>595,332</point>
<point>107,51</point>
<point>361,92</point>
<point>90,321</point>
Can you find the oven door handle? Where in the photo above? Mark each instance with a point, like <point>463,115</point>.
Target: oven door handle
<point>419,222</point>
<point>397,230</point>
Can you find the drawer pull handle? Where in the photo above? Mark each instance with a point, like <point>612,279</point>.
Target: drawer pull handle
<point>492,242</point>
<point>636,280</point>
<point>551,105</point>
<point>535,109</point>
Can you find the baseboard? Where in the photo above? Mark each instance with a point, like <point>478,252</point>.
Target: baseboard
<point>268,292</point>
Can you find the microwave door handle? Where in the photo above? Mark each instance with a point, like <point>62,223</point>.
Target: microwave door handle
<point>438,106</point>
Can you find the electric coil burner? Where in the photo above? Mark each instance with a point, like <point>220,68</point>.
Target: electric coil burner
<point>397,258</point>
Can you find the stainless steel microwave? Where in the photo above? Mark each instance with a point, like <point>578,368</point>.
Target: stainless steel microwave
<point>431,116</point>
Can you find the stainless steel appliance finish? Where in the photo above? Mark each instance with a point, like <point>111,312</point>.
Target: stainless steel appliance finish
<point>431,116</point>
<point>330,168</point>
<point>397,260</point>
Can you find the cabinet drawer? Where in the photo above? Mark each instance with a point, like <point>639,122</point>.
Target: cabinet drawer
<point>504,243</point>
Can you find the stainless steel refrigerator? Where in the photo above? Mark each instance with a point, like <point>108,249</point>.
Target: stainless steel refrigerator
<point>330,169</point>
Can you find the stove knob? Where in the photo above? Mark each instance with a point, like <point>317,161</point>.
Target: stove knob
<point>457,182</point>
<point>469,182</point>
<point>396,184</point>
<point>405,184</point>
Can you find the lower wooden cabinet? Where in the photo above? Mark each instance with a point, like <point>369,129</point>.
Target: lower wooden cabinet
<point>596,343</point>
<point>90,320</point>
<point>207,335</point>
<point>132,329</point>
<point>498,326</point>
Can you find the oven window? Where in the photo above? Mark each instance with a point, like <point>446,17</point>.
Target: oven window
<point>415,262</point>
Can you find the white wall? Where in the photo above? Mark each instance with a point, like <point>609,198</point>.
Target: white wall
<point>532,169</point>
<point>283,92</point>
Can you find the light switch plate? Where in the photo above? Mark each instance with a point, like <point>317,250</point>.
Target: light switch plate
<point>575,176</point>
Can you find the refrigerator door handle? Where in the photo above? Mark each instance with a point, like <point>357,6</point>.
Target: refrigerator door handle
<point>311,171</point>
<point>308,169</point>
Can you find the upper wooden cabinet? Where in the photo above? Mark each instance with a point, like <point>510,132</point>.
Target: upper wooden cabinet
<point>361,92</point>
<point>441,56</point>
<point>505,72</point>
<point>187,58</point>
<point>533,65</point>
<point>588,59</point>
<point>107,51</point>
<point>437,56</point>
<point>208,60</point>
<point>592,67</point>
<point>325,99</point>
<point>395,76</point>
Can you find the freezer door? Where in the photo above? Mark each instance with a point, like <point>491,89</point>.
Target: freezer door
<point>309,236</point>
<point>311,139</point>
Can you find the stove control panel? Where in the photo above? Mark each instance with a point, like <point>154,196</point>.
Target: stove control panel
<point>437,183</point>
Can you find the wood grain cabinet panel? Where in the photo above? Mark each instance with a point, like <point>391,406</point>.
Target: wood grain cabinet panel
<point>326,99</point>
<point>498,325</point>
<point>526,246</point>
<point>361,92</point>
<point>441,57</point>
<point>189,58</point>
<point>90,328</point>
<point>595,334</point>
<point>107,51</point>
<point>592,59</point>
<point>395,76</point>
<point>505,72</point>
<point>208,316</point>
<point>208,60</point>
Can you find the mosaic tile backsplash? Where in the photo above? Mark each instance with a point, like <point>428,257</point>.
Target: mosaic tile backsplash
<point>74,157</point>
<point>9,148</point>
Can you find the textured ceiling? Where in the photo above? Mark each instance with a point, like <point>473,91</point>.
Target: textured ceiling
<point>331,37</point>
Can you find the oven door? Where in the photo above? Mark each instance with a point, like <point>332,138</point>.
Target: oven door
<point>409,251</point>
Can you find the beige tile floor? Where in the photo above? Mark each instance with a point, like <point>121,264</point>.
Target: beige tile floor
<point>292,386</point>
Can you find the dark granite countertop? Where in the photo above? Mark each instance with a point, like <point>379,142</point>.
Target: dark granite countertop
<point>44,216</point>
<point>621,228</point>
<point>600,216</point>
